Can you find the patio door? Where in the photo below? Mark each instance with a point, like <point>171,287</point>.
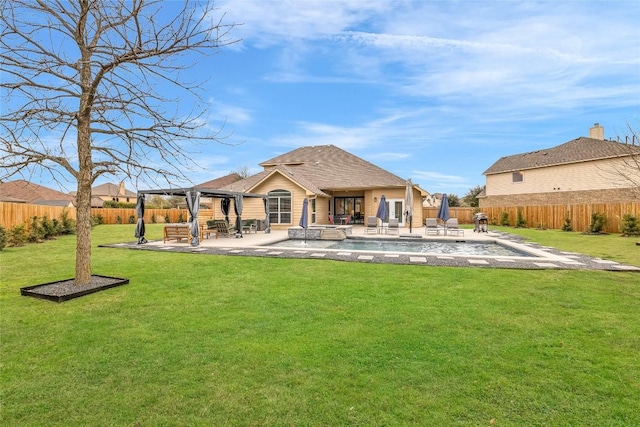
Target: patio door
<point>395,209</point>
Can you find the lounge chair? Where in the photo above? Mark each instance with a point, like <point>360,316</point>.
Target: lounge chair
<point>223,228</point>
<point>431,226</point>
<point>372,225</point>
<point>393,227</point>
<point>452,227</point>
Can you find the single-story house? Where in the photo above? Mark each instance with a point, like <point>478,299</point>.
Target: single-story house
<point>27,192</point>
<point>337,183</point>
<point>580,171</point>
<point>111,192</point>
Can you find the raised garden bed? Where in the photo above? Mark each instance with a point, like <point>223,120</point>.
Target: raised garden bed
<point>64,290</point>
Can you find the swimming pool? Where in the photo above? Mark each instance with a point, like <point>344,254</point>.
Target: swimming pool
<point>422,246</point>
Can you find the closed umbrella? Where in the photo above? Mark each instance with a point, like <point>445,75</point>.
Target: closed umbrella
<point>304,218</point>
<point>237,207</point>
<point>382,209</point>
<point>443,211</point>
<point>140,224</point>
<point>408,202</point>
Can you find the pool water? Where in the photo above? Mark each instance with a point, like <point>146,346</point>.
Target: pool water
<point>412,246</point>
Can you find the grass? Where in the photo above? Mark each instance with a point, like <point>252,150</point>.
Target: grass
<point>200,340</point>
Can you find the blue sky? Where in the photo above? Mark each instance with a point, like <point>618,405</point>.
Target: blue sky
<point>430,90</point>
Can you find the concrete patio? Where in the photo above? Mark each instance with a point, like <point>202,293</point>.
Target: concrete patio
<point>253,244</point>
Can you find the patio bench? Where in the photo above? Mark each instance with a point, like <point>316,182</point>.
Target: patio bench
<point>176,232</point>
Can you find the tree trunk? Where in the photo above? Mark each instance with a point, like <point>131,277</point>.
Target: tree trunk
<point>85,172</point>
<point>83,245</point>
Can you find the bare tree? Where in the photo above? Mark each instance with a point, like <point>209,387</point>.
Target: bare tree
<point>90,70</point>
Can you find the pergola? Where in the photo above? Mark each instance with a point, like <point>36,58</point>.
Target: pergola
<point>192,196</point>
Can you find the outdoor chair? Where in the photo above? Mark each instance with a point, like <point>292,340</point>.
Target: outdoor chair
<point>223,228</point>
<point>452,227</point>
<point>393,227</point>
<point>331,219</point>
<point>431,226</point>
<point>372,225</point>
<point>249,225</point>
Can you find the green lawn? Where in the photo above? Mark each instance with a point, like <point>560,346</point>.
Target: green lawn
<point>201,340</point>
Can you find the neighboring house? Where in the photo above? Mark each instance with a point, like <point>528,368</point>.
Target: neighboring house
<point>336,182</point>
<point>581,171</point>
<point>21,191</point>
<point>111,192</point>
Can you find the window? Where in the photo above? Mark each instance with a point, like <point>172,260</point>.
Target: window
<point>279,207</point>
<point>313,211</point>
<point>517,177</point>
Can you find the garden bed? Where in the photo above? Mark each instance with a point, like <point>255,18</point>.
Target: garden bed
<point>64,290</point>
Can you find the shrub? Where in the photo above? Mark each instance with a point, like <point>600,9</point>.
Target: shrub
<point>166,218</point>
<point>520,221</point>
<point>180,218</point>
<point>17,236</point>
<point>630,225</point>
<point>114,204</point>
<point>3,237</point>
<point>567,225</point>
<point>504,219</point>
<point>598,223</point>
<point>50,228</point>
<point>118,219</point>
<point>67,225</point>
<point>132,219</point>
<point>36,232</point>
<point>97,219</point>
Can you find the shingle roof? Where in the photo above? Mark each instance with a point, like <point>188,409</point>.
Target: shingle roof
<point>578,150</point>
<point>33,193</point>
<point>111,190</point>
<point>327,167</point>
<point>220,182</point>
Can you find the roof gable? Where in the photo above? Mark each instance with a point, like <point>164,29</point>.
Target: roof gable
<point>328,167</point>
<point>578,150</point>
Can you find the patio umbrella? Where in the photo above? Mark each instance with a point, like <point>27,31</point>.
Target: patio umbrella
<point>304,220</point>
<point>267,220</point>
<point>382,209</point>
<point>140,224</point>
<point>408,202</point>
<point>193,205</point>
<point>443,211</point>
<point>237,207</point>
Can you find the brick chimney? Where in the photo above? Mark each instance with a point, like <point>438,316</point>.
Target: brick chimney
<point>121,189</point>
<point>596,132</point>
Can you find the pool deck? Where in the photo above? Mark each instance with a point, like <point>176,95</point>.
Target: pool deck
<point>252,244</point>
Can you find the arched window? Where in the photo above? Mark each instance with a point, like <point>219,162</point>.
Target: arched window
<point>279,207</point>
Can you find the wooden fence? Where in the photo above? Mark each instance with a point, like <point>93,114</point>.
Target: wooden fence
<point>21,213</point>
<point>552,216</point>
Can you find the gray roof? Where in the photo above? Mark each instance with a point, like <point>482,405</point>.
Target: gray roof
<point>323,168</point>
<point>578,150</point>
